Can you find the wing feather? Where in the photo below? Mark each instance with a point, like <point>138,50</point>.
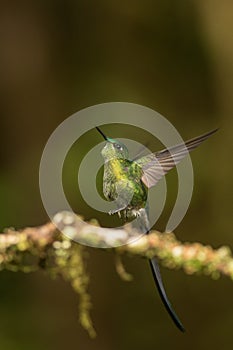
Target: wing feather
<point>156,165</point>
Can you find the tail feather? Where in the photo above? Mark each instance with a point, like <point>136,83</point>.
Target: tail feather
<point>145,227</point>
<point>159,283</point>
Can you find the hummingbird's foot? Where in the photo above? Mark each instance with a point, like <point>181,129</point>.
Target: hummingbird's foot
<point>116,211</point>
<point>119,214</point>
<point>112,212</point>
<point>136,213</point>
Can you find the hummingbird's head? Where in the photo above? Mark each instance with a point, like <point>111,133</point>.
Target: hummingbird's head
<point>113,148</point>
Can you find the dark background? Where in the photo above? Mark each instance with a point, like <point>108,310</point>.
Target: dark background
<point>57,57</point>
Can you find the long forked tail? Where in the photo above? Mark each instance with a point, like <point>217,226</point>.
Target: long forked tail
<point>159,283</point>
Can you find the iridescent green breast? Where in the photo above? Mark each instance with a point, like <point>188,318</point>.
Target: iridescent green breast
<point>128,174</point>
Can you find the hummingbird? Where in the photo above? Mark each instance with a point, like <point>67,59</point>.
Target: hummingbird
<point>126,182</point>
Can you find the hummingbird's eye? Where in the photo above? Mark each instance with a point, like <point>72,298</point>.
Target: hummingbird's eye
<point>118,146</point>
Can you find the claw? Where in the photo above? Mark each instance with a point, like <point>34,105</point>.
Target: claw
<point>136,213</point>
<point>119,214</point>
<point>111,212</point>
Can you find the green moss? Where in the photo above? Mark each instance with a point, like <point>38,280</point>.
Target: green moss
<point>69,259</point>
<point>59,258</point>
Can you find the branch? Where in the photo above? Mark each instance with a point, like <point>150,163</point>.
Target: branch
<point>192,257</point>
<point>45,247</point>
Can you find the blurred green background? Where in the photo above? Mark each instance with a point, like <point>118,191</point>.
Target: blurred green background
<point>57,57</point>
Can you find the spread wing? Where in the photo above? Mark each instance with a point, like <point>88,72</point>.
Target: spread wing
<point>156,165</point>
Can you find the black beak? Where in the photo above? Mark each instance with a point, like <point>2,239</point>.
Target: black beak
<point>101,132</point>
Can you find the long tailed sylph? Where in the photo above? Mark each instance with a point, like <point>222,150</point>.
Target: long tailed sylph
<point>127,181</point>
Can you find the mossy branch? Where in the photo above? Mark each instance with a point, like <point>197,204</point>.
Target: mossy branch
<point>45,247</point>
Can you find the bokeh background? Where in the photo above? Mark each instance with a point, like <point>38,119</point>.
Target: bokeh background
<point>57,57</point>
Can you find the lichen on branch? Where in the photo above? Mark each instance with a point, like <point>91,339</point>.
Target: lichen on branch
<point>59,254</point>
<point>46,248</point>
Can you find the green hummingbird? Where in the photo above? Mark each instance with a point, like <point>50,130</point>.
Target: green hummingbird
<point>127,182</point>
